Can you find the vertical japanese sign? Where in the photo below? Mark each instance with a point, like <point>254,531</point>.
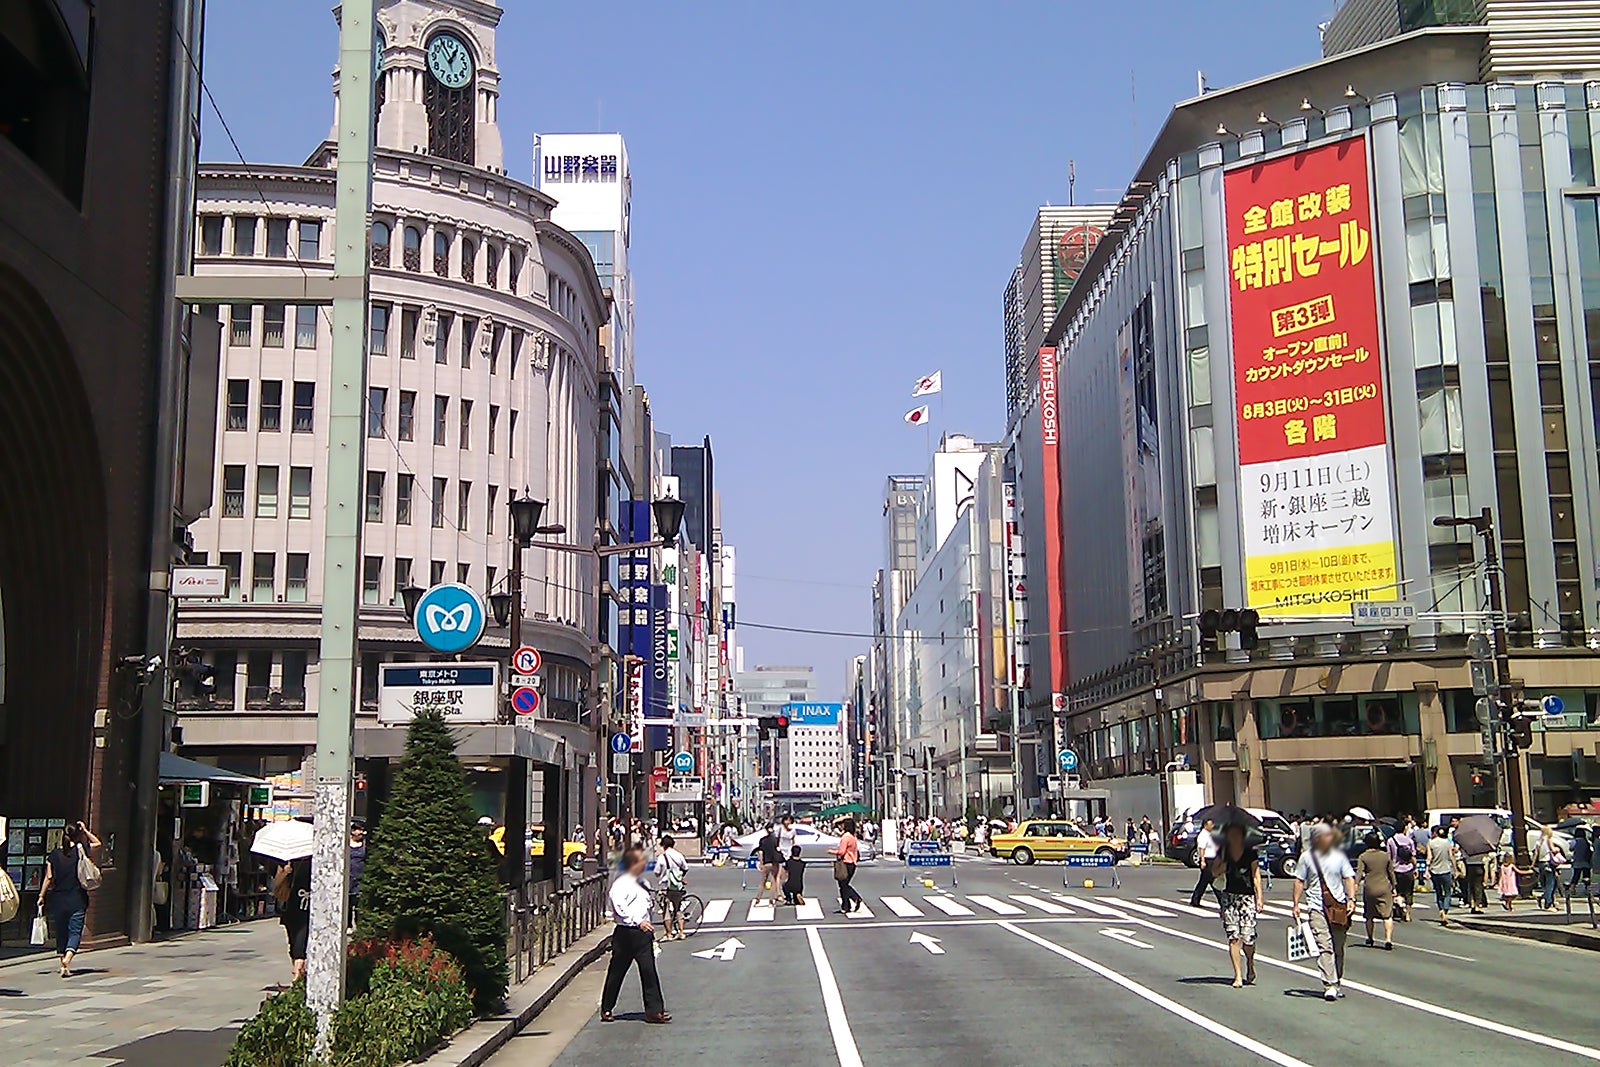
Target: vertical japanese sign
<point>634,575</point>
<point>1314,480</point>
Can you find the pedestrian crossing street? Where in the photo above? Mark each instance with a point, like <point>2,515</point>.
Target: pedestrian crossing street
<point>727,911</point>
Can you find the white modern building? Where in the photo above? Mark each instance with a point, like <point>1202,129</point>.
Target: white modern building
<point>815,758</point>
<point>486,329</point>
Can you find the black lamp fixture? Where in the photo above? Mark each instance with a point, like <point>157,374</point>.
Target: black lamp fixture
<point>669,517</point>
<point>525,512</point>
<point>409,597</point>
<point>500,605</point>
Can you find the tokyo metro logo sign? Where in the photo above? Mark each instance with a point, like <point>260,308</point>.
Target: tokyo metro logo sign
<point>450,618</point>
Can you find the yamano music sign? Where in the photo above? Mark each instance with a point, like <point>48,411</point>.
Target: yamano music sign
<point>1314,479</point>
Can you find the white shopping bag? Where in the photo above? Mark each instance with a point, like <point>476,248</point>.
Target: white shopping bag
<point>1301,946</point>
<point>41,931</point>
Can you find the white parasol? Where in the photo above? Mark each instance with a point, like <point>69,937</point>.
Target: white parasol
<point>283,840</point>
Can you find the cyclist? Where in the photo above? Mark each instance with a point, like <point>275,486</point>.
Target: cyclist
<point>672,870</point>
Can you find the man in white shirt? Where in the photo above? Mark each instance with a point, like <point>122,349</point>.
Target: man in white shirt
<point>1322,866</point>
<point>632,941</point>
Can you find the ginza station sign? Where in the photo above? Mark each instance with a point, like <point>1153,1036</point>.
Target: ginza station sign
<point>1315,495</point>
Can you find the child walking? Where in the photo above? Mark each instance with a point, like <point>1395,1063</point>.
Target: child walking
<point>1508,878</point>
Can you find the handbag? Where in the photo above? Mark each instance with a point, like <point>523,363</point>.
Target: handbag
<point>1301,945</point>
<point>1338,912</point>
<point>88,873</point>
<point>41,930</point>
<point>841,871</point>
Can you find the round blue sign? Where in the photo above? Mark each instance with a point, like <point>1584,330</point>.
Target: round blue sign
<point>525,701</point>
<point>1553,705</point>
<point>450,618</point>
<point>621,743</point>
<point>1069,760</point>
<point>683,763</point>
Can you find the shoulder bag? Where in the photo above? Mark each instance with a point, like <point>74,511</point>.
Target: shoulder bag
<point>841,871</point>
<point>1338,912</point>
<point>88,873</point>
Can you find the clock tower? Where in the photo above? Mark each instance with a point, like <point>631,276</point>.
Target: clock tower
<point>438,87</point>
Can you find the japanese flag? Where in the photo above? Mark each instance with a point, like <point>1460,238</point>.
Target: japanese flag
<point>917,416</point>
<point>931,384</point>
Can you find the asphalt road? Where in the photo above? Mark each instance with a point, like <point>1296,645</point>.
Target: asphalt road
<point>1028,971</point>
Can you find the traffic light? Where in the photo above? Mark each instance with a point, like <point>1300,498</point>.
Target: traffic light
<point>1214,624</point>
<point>205,680</point>
<point>765,725</point>
<point>781,725</point>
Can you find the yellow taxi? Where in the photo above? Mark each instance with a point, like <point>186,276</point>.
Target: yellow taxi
<point>572,852</point>
<point>1053,839</point>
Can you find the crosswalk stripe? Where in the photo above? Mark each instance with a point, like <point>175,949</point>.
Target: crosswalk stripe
<point>810,911</point>
<point>903,907</point>
<point>761,911</point>
<point>861,912</point>
<point>949,906</point>
<point>1090,905</point>
<point>716,911</point>
<point>1185,908</point>
<point>999,907</point>
<point>1043,905</point>
<point>1143,909</point>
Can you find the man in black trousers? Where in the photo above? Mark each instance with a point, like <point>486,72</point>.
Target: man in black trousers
<point>633,941</point>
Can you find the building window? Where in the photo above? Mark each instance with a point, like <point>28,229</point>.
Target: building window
<point>464,573</point>
<point>379,344</point>
<point>299,492</point>
<point>488,582</point>
<point>441,341</point>
<point>239,325</point>
<point>441,414</point>
<point>272,325</point>
<point>305,401</point>
<point>310,239</point>
<point>278,238</point>
<point>436,572</point>
<point>271,417</point>
<point>211,235</point>
<point>374,496</point>
<point>469,259</point>
<point>515,268</point>
<point>372,580</point>
<point>466,424</point>
<point>266,492</point>
<point>516,351</point>
<point>408,414</point>
<point>469,334</point>
<point>233,563</point>
<point>261,578</point>
<point>244,235</point>
<point>297,567</point>
<point>441,255</point>
<point>305,326</point>
<point>233,491</point>
<point>412,249</point>
<point>511,437</point>
<point>494,498</point>
<point>408,333</point>
<point>377,398</point>
<point>494,421</point>
<point>402,578</point>
<point>402,498</point>
<point>439,487</point>
<point>494,348</point>
<point>238,404</point>
<point>491,264</point>
<point>379,244</point>
<point>463,506</point>
<point>293,685</point>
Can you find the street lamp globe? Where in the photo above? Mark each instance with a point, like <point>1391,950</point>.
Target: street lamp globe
<point>409,597</point>
<point>500,605</point>
<point>669,517</point>
<point>525,512</point>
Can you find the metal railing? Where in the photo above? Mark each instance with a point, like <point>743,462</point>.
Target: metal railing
<point>544,919</point>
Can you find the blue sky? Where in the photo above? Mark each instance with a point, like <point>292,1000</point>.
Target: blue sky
<point>828,201</point>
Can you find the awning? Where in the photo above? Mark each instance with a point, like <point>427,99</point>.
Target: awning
<point>175,768</point>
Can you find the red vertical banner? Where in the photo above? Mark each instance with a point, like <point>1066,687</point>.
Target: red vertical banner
<point>1054,541</point>
<point>1316,507</point>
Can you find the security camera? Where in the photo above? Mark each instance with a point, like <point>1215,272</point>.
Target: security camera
<point>152,665</point>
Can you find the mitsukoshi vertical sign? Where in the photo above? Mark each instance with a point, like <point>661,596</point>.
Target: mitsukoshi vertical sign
<point>1314,478</point>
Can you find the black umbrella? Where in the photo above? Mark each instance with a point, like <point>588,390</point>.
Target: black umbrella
<point>1478,835</point>
<point>1389,820</point>
<point>1224,815</point>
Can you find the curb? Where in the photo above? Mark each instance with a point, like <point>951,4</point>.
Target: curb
<point>1572,937</point>
<point>485,1037</point>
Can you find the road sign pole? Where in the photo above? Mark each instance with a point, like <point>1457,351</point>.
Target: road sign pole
<point>325,957</point>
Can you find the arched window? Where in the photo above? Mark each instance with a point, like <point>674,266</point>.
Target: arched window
<point>469,259</point>
<point>491,264</point>
<point>515,269</point>
<point>441,255</point>
<point>380,244</point>
<point>413,248</point>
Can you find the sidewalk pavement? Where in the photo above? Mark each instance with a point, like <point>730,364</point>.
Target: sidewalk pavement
<point>1533,924</point>
<point>168,1002</point>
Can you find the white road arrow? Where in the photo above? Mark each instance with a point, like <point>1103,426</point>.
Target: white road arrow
<point>1125,937</point>
<point>723,952</point>
<point>927,942</point>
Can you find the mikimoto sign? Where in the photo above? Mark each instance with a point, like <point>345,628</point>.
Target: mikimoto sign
<point>465,693</point>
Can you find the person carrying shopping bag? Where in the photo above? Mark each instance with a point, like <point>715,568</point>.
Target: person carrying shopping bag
<point>64,896</point>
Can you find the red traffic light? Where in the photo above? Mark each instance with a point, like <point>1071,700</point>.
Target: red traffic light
<point>783,720</point>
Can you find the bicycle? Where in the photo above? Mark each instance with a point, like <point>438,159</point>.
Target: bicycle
<point>690,910</point>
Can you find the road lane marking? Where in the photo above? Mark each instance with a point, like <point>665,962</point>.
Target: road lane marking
<point>1043,905</point>
<point>723,952</point>
<point>999,907</point>
<point>879,924</point>
<point>949,906</point>
<point>1091,905</point>
<point>1122,935</point>
<point>716,911</point>
<point>861,911</point>
<point>810,911</point>
<point>929,943</point>
<point>761,911</point>
<point>844,1042</point>
<point>1187,909</point>
<point>1227,1033</point>
<point>1143,909</point>
<point>903,907</point>
<point>1395,998</point>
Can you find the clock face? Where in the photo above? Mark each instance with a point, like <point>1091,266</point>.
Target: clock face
<point>449,60</point>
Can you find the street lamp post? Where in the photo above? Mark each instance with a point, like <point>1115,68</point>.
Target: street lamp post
<point>1483,525</point>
